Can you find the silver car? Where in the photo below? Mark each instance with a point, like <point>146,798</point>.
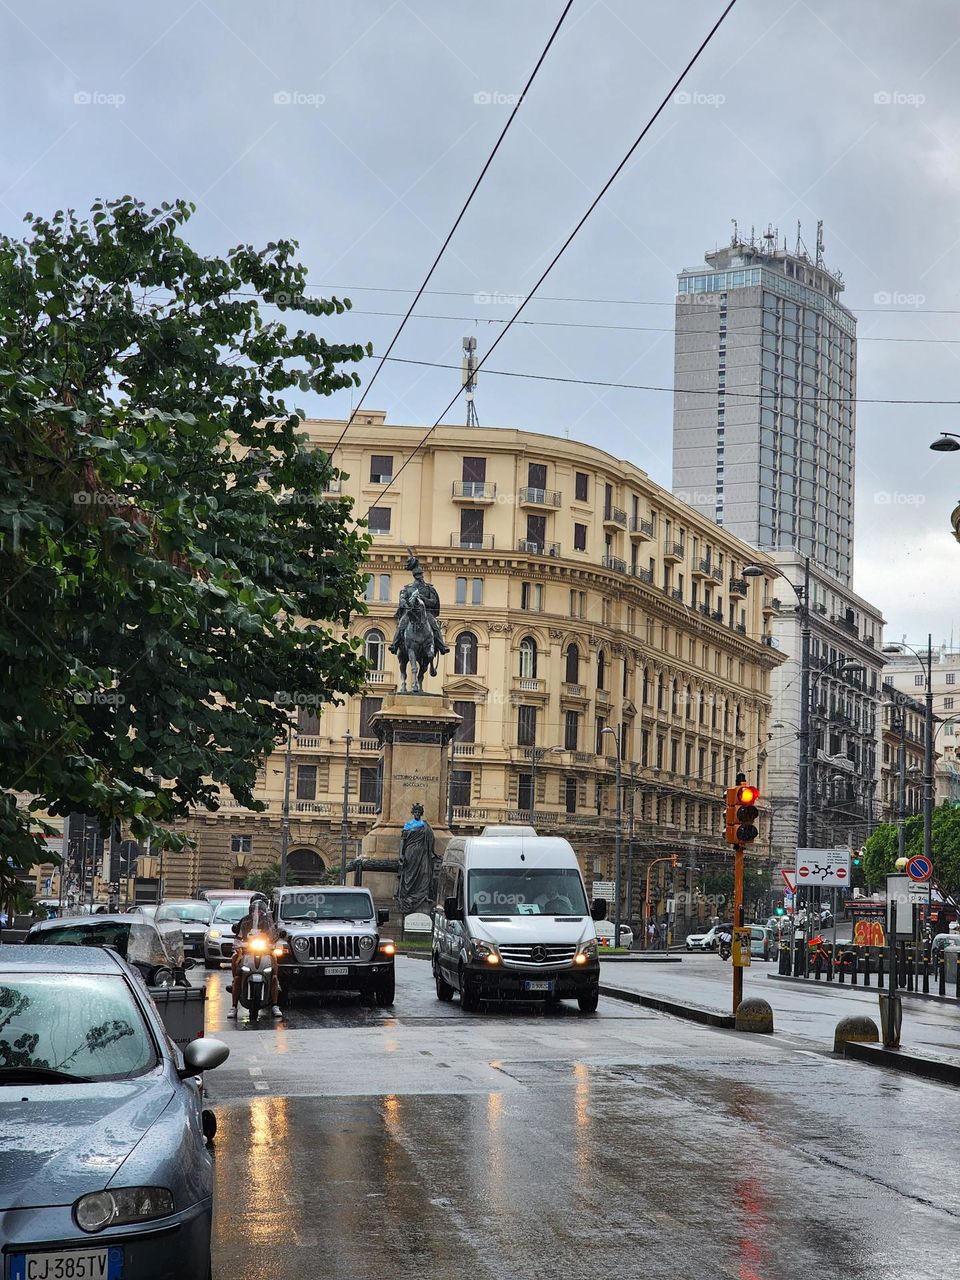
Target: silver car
<point>105,1171</point>
<point>219,940</point>
<point>193,918</point>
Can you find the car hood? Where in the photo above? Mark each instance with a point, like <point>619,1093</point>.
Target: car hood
<point>59,1141</point>
<point>532,929</point>
<point>314,927</point>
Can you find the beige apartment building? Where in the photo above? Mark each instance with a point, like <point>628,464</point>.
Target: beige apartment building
<point>584,607</point>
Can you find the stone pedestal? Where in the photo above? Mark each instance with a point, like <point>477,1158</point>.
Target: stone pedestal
<point>415,730</point>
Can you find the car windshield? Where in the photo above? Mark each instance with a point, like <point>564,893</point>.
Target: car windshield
<point>59,1027</point>
<point>526,891</point>
<point>231,910</point>
<point>317,905</point>
<point>185,912</point>
<point>81,933</point>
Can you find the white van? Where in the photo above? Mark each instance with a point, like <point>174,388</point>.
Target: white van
<point>512,922</point>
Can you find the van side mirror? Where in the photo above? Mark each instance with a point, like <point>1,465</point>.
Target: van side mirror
<point>382,917</point>
<point>452,909</point>
<point>598,909</point>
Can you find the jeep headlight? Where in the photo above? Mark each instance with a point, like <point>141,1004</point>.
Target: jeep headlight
<point>486,951</point>
<point>301,946</point>
<point>103,1209</point>
<point>367,942</point>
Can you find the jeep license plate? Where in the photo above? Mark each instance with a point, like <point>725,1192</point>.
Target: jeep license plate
<point>336,971</point>
<point>538,985</point>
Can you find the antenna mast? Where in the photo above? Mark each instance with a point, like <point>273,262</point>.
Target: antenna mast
<point>469,379</point>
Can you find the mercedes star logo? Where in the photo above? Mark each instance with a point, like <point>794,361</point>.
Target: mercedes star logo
<point>538,954</point>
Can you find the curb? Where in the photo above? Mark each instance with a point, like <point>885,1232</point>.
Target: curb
<point>640,959</point>
<point>944,1001</point>
<point>906,1063</point>
<point>692,1012</point>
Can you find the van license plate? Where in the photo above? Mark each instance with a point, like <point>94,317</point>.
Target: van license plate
<point>336,971</point>
<point>533,985</point>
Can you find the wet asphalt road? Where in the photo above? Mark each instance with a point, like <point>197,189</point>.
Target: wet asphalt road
<point>421,1142</point>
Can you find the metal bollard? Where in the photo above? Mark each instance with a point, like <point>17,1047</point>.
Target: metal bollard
<point>943,978</point>
<point>866,966</point>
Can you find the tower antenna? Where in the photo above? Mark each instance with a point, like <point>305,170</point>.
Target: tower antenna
<point>469,379</point>
<point>820,242</point>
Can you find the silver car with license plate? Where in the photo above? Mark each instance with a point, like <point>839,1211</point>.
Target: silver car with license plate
<point>219,940</point>
<point>105,1173</point>
<point>332,936</point>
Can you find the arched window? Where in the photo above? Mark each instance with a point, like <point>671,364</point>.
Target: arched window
<point>573,664</point>
<point>673,697</point>
<point>465,654</point>
<point>601,669</point>
<point>689,704</point>
<point>528,657</point>
<point>373,649</point>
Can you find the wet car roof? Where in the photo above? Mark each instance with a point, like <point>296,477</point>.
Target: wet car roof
<point>19,958</point>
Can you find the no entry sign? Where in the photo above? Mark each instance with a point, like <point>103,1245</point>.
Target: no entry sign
<point>920,868</point>
<point>823,867</point>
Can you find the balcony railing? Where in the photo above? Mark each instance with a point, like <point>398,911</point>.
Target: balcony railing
<point>468,748</point>
<point>368,744</point>
<point>705,610</point>
<point>574,690</point>
<point>644,575</point>
<point>737,587</point>
<point>640,527</point>
<point>534,548</point>
<point>530,497</point>
<point>467,542</point>
<point>530,684</point>
<point>584,757</point>
<point>676,593</point>
<point>614,563</point>
<point>704,569</point>
<point>475,490</point>
<point>614,515</point>
<point>377,677</point>
<point>333,489</point>
<point>673,550</point>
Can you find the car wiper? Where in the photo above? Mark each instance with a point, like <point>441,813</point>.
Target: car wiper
<point>14,1075</point>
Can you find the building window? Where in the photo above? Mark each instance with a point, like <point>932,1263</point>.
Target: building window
<point>307,721</point>
<point>306,782</point>
<point>476,591</point>
<point>570,795</point>
<point>374,648</point>
<point>368,709</point>
<point>601,669</point>
<point>461,785</point>
<point>579,537</point>
<point>465,654</point>
<point>578,604</point>
<point>919,680</point>
<point>528,658</point>
<point>241,844</point>
<point>471,528</point>
<point>381,468</point>
<point>951,677</point>
<point>572,669</point>
<point>601,726</point>
<point>526,726</point>
<point>571,730</point>
<point>467,728</point>
<point>531,596</point>
<point>948,704</point>
<point>537,475</point>
<point>580,482</point>
<point>378,520</point>
<point>525,792</point>
<point>370,784</point>
<point>460,596</point>
<point>474,472</point>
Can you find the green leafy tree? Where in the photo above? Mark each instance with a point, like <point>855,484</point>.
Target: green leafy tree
<point>263,881</point>
<point>880,851</point>
<point>171,581</point>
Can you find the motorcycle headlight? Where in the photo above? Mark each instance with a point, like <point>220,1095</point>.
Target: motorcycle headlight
<point>103,1209</point>
<point>257,944</point>
<point>486,951</point>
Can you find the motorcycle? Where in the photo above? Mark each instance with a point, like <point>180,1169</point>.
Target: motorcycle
<point>256,970</point>
<point>724,948</point>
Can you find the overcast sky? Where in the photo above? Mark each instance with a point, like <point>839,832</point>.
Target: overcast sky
<point>357,127</point>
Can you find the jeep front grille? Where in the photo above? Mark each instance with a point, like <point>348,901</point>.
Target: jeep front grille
<point>343,946</point>
<point>538,955</point>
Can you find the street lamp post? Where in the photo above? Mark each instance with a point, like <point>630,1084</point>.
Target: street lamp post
<point>618,835</point>
<point>344,821</point>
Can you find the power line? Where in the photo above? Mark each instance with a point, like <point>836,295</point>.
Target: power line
<point>636,386</point>
<point>563,247</point>
<point>459,219</point>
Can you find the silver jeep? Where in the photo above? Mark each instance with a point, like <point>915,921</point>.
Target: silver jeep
<point>333,941</point>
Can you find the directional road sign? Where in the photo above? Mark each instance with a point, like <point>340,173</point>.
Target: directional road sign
<point>920,867</point>
<point>823,867</point>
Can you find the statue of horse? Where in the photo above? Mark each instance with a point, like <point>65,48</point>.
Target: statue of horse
<point>416,646</point>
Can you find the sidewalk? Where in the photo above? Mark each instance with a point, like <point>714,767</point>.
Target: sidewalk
<point>810,1011</point>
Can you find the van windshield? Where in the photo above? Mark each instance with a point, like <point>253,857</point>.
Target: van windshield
<point>526,891</point>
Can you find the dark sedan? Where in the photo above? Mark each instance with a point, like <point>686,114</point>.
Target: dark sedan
<point>105,1173</point>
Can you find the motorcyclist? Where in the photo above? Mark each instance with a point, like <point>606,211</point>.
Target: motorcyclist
<point>259,919</point>
<point>725,940</point>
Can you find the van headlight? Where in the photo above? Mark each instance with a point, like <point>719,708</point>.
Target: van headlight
<point>103,1209</point>
<point>586,951</point>
<point>486,951</point>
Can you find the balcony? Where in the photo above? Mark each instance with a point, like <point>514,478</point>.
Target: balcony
<point>705,610</point>
<point>741,628</point>
<point>309,742</point>
<point>640,528</point>
<point>702,569</point>
<point>468,748</point>
<point>474,491</point>
<point>770,605</point>
<point>716,615</point>
<point>466,542</point>
<point>614,518</point>
<point>584,757</point>
<point>312,806</point>
<point>716,573</point>
<point>529,684</point>
<point>603,698</point>
<point>676,593</point>
<point>368,744</point>
<point>333,489</point>
<point>643,575</point>
<point>673,551</point>
<point>614,563</point>
<point>573,691</point>
<point>533,548</point>
<point>737,587</point>
<point>551,498</point>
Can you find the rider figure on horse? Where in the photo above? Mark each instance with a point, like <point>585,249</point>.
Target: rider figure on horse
<point>431,601</point>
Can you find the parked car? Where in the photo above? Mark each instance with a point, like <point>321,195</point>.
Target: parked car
<point>193,918</point>
<point>106,1171</point>
<point>148,909</point>
<point>156,953</point>
<point>606,933</point>
<point>763,942</point>
<point>708,941</point>
<point>218,941</point>
<point>333,942</point>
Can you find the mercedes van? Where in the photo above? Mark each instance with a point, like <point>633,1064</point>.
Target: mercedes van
<point>512,923</point>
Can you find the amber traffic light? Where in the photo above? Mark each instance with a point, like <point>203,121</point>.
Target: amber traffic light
<point>742,814</point>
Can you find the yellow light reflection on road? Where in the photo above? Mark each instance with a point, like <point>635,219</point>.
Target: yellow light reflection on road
<point>581,1114</point>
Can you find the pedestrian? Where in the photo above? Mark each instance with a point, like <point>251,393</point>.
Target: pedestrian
<point>651,934</point>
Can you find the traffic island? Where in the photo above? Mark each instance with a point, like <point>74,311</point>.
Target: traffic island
<point>855,1030</point>
<point>912,1064</point>
<point>676,1008</point>
<point>754,1015</point>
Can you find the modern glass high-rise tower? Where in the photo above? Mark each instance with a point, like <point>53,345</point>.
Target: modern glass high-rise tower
<point>764,413</point>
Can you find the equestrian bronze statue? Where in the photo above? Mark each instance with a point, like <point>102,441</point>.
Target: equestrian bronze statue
<point>417,640</point>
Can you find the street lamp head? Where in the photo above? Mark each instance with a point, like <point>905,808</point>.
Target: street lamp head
<point>948,443</point>
<point>892,648</point>
<point>851,668</point>
<point>753,571</point>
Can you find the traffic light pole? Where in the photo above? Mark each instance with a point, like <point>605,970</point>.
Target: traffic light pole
<point>738,856</point>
